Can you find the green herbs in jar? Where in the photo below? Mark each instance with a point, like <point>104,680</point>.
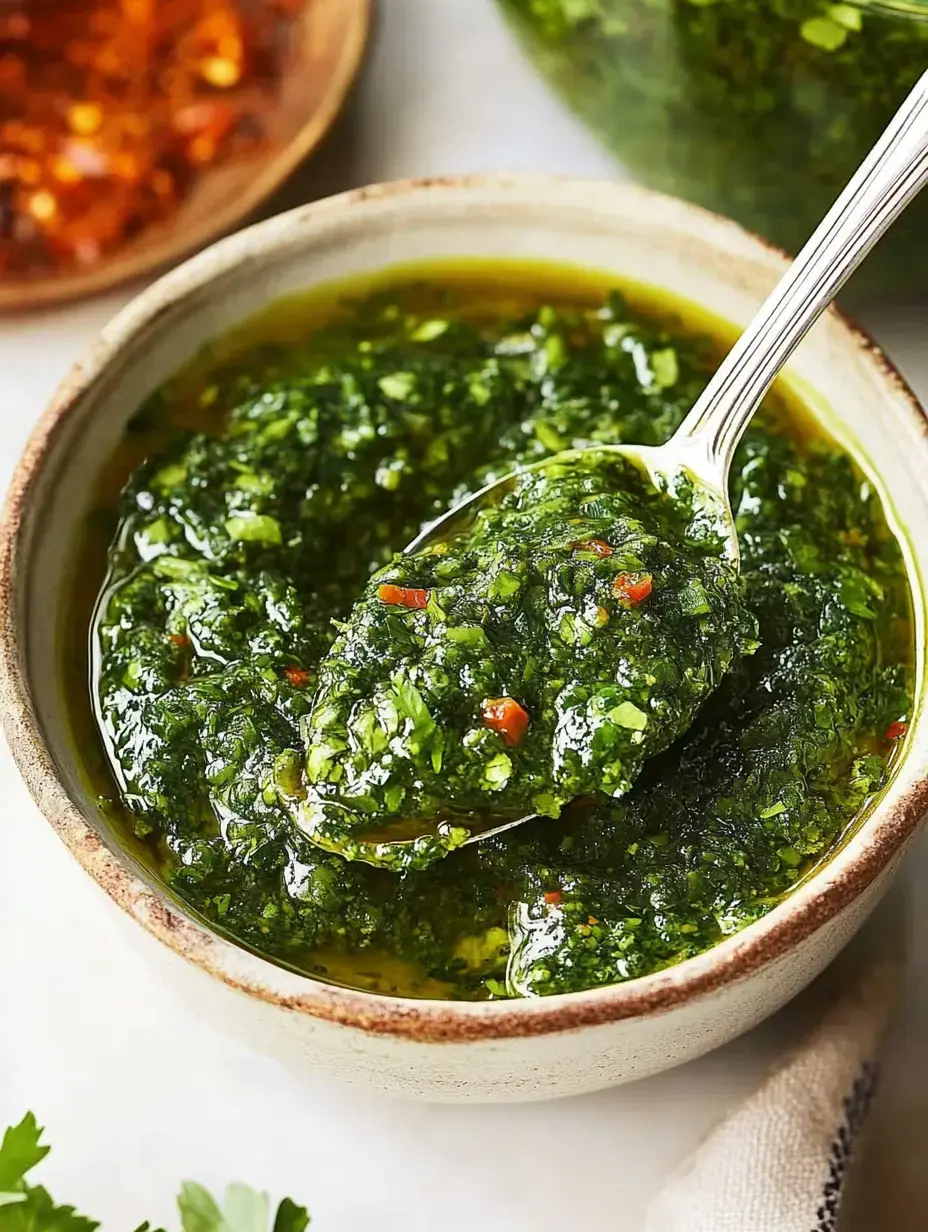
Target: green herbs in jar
<point>757,109</point>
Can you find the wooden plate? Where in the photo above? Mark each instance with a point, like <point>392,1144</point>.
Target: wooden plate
<point>312,93</point>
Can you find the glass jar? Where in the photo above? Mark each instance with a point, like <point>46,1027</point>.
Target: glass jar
<point>758,109</point>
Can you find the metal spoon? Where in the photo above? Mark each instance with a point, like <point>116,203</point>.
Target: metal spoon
<point>892,174</point>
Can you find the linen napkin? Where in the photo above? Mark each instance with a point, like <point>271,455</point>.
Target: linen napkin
<point>778,1161</point>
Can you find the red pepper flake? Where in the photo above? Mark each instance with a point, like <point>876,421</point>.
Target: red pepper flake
<point>506,716</point>
<point>599,546</point>
<point>553,898</point>
<point>111,110</point>
<point>632,589</point>
<point>297,676</point>
<point>403,596</point>
<point>897,730</point>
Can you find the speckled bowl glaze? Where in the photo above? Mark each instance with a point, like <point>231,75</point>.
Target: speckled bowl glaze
<point>436,1049</point>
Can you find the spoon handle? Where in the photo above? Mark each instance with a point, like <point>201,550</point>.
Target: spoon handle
<point>890,176</point>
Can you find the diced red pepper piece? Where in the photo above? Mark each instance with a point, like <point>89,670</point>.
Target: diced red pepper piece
<point>553,898</point>
<point>897,730</point>
<point>632,589</point>
<point>298,676</point>
<point>402,596</point>
<point>599,546</point>
<point>506,716</point>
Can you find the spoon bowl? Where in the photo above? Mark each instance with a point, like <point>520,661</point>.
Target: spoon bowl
<point>664,465</point>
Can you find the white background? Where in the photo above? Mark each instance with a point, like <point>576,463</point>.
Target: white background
<point>136,1092</point>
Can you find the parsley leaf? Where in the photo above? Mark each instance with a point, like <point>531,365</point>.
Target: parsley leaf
<point>198,1209</point>
<point>37,1212</point>
<point>30,1208</point>
<point>290,1217</point>
<point>244,1210</point>
<point>20,1151</point>
<point>24,1207</point>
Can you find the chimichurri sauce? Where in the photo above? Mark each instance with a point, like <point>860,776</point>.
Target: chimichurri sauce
<point>304,466</point>
<point>537,656</point>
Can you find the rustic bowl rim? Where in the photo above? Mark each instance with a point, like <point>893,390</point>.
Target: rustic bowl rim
<point>26,294</point>
<point>846,876</point>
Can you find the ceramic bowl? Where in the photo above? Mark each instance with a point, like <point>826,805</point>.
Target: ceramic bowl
<point>449,1050</point>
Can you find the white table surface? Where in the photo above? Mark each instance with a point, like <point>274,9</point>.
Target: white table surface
<point>138,1093</point>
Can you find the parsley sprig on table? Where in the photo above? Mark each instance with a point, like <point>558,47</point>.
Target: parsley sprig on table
<point>25,1207</point>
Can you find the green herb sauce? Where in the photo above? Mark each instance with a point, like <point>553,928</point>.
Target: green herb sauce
<point>758,109</point>
<point>540,655</point>
<point>281,475</point>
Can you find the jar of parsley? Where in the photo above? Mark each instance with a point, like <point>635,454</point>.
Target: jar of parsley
<point>759,109</point>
